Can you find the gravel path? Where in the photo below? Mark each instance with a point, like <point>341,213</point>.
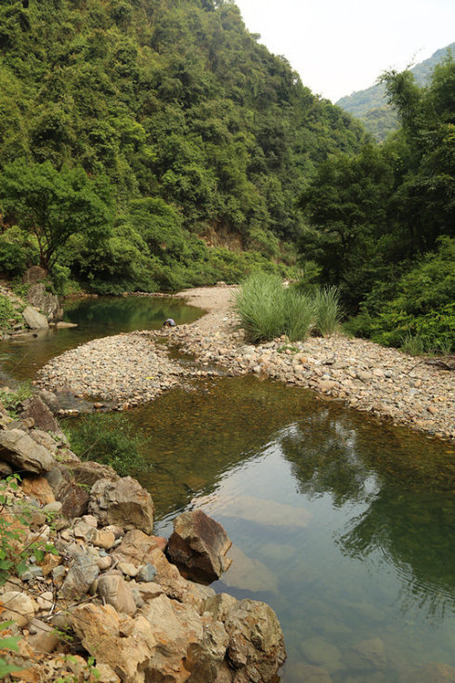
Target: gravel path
<point>133,368</point>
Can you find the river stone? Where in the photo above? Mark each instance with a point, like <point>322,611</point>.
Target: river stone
<point>369,654</point>
<point>20,450</point>
<point>17,606</point>
<point>34,319</point>
<point>256,642</point>
<point>80,577</point>
<point>123,502</point>
<point>319,651</point>
<point>434,672</point>
<point>114,591</point>
<point>198,547</point>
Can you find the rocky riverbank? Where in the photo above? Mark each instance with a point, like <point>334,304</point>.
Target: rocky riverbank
<point>89,593</point>
<point>134,368</point>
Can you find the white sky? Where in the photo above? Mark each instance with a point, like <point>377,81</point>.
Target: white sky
<point>341,46</point>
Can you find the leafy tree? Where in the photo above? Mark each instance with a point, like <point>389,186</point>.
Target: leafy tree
<point>53,205</point>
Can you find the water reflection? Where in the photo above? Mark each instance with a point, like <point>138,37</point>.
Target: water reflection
<point>346,527</point>
<point>22,357</point>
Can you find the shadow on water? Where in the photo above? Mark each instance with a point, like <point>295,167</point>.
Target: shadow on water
<point>346,527</point>
<point>95,318</point>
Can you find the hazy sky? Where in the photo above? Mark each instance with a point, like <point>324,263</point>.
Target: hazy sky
<point>340,46</point>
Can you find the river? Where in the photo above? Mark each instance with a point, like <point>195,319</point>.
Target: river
<point>345,526</point>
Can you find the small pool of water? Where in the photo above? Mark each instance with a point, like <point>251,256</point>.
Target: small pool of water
<point>100,317</point>
<point>345,526</point>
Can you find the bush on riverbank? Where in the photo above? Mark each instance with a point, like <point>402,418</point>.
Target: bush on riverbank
<point>268,310</point>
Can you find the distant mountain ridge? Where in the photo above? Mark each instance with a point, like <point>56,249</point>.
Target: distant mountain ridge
<point>370,105</point>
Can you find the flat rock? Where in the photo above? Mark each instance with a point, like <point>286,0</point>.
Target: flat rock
<point>20,450</point>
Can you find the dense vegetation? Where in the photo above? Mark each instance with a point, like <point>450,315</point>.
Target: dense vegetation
<point>371,106</point>
<point>147,144</point>
<point>382,221</point>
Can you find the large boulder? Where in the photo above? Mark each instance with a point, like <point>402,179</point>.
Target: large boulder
<point>123,502</point>
<point>113,590</point>
<point>198,547</point>
<point>43,418</point>
<point>34,319</point>
<point>21,451</point>
<point>256,642</point>
<point>71,483</point>
<point>48,303</point>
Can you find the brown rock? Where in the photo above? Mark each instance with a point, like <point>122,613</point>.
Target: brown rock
<point>114,591</point>
<point>35,408</point>
<point>198,547</point>
<point>256,642</point>
<point>71,483</point>
<point>18,607</point>
<point>38,488</point>
<point>43,638</point>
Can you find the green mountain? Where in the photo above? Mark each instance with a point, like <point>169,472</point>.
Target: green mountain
<point>148,143</point>
<point>371,107</point>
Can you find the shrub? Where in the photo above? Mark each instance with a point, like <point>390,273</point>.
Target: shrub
<point>9,316</point>
<point>110,440</point>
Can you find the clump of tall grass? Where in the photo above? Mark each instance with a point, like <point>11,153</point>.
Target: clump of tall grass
<point>299,315</point>
<point>268,310</point>
<point>327,310</point>
<point>260,304</point>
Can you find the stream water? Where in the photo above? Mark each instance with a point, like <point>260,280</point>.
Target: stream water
<point>346,527</point>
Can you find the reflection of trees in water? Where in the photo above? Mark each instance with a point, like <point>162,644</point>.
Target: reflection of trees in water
<point>325,457</point>
<point>407,483</point>
<point>415,532</point>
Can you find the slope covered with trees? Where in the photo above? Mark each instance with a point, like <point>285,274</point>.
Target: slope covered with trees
<point>149,143</point>
<point>382,222</point>
<point>371,106</point>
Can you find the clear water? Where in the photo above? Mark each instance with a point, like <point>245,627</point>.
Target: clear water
<point>21,358</point>
<point>345,526</point>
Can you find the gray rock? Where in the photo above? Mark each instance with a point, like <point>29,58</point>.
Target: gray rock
<point>198,547</point>
<point>34,319</point>
<point>20,450</point>
<point>43,638</point>
<point>47,302</point>
<point>146,573</point>
<point>80,577</point>
<point>123,502</point>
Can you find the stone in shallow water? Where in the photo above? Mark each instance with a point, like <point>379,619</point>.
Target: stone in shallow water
<point>319,651</point>
<point>249,574</point>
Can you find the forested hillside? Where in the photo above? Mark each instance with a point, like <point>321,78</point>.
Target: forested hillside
<point>371,106</point>
<point>146,144</point>
<point>381,223</point>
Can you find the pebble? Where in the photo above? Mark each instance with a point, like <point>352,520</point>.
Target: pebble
<point>132,369</point>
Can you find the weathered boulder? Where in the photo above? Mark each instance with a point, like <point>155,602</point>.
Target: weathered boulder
<point>50,399</point>
<point>34,319</point>
<point>47,302</point>
<point>256,643</point>
<point>71,484</point>
<point>80,577</point>
<point>20,450</point>
<point>36,408</point>
<point>113,590</point>
<point>121,642</point>
<point>198,547</point>
<point>43,638</point>
<point>38,487</point>
<point>123,502</point>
